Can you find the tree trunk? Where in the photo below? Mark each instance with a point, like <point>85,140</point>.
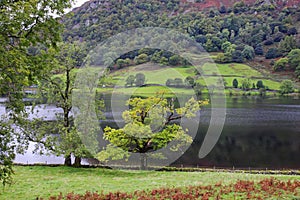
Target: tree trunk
<point>143,158</point>
<point>77,162</point>
<point>68,161</point>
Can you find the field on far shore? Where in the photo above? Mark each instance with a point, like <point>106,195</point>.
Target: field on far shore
<point>156,77</point>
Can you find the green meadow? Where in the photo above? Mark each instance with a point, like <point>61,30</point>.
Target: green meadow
<point>31,182</point>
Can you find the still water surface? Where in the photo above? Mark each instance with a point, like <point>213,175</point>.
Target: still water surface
<point>258,133</point>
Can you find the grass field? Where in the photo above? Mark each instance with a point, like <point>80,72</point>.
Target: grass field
<point>31,182</point>
<point>156,74</point>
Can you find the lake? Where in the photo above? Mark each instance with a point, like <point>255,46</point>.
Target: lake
<point>258,133</point>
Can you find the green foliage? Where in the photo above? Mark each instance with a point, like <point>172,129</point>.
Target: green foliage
<point>140,59</point>
<point>235,83</point>
<point>280,64</point>
<point>294,58</point>
<point>248,52</point>
<point>287,44</point>
<point>286,87</point>
<point>273,53</point>
<point>130,80</point>
<point>174,60</point>
<point>7,153</point>
<point>190,81</point>
<point>26,29</point>
<point>297,71</point>
<point>148,126</point>
<point>246,84</point>
<point>56,85</point>
<point>140,79</point>
<point>260,84</point>
<point>123,63</point>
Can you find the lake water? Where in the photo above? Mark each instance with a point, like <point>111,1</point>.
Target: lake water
<point>258,133</point>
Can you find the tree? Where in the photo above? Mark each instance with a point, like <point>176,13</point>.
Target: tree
<point>286,87</point>
<point>122,63</point>
<point>190,81</point>
<point>248,52</point>
<point>7,153</point>
<point>235,83</point>
<point>281,64</point>
<point>139,79</point>
<point>140,59</point>
<point>287,44</point>
<point>272,53</point>
<point>237,56</point>
<point>130,80</point>
<point>259,50</point>
<point>178,82</point>
<point>149,126</point>
<point>246,84</point>
<point>174,60</point>
<point>170,82</point>
<point>56,85</point>
<point>294,58</point>
<point>297,72</point>
<point>24,24</point>
<point>260,84</point>
<point>223,9</point>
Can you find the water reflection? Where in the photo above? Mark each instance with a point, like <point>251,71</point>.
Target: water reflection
<point>257,133</point>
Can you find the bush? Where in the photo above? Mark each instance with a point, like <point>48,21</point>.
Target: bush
<point>235,83</point>
<point>260,84</point>
<point>140,59</point>
<point>280,64</point>
<point>273,53</point>
<point>286,87</point>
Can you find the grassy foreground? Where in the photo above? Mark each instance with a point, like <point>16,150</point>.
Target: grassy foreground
<point>31,182</point>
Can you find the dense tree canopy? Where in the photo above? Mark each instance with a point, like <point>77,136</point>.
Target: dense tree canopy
<point>26,29</point>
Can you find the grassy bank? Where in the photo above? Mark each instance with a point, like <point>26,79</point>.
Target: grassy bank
<point>31,182</point>
<point>156,74</point>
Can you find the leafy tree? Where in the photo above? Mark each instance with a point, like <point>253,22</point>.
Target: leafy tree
<point>163,61</point>
<point>178,82</point>
<point>57,86</point>
<point>259,50</point>
<point>149,126</point>
<point>260,84</point>
<point>287,44</point>
<point>223,9</point>
<point>142,58</point>
<point>190,81</point>
<point>273,53</point>
<point>140,79</point>
<point>174,60</point>
<point>248,52</point>
<point>23,24</point>
<point>297,71</point>
<point>122,63</point>
<point>246,84</point>
<point>170,82</point>
<point>7,153</point>
<point>294,58</point>
<point>130,80</point>
<point>156,56</point>
<point>235,83</point>
<point>237,56</point>
<point>286,87</point>
<point>292,31</point>
<point>197,88</point>
<point>281,64</point>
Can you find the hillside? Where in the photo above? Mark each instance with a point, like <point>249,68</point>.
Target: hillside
<point>205,4</point>
<point>239,32</point>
